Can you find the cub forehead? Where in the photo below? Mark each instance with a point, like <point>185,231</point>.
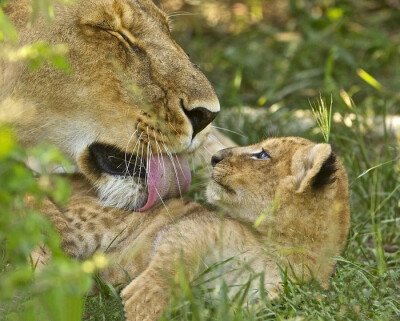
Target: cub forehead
<point>282,146</point>
<point>294,142</point>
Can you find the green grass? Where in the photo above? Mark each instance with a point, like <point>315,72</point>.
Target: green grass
<point>268,73</point>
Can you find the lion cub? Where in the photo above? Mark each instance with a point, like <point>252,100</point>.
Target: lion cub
<point>286,206</point>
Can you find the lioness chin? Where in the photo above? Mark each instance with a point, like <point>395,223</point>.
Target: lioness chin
<point>132,95</point>
<point>285,205</point>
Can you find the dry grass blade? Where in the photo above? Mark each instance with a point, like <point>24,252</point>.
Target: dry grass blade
<point>323,115</point>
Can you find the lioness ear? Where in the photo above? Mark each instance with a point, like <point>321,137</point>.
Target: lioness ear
<point>315,168</point>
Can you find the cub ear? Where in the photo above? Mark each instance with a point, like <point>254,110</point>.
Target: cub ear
<point>314,168</point>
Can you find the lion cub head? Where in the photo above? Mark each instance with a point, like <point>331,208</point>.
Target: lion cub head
<point>292,189</point>
<point>132,94</point>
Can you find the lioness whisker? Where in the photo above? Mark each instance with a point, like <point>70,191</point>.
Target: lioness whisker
<point>180,166</point>
<point>136,158</point>
<point>172,127</point>
<point>127,162</point>
<point>176,156</point>
<point>137,144</point>
<point>173,165</point>
<point>140,167</point>
<point>134,168</point>
<point>205,148</point>
<point>146,180</point>
<point>159,152</point>
<point>228,130</point>
<point>206,161</point>
<point>32,130</point>
<point>141,160</point>
<point>215,139</point>
<point>180,13</point>
<point>126,149</point>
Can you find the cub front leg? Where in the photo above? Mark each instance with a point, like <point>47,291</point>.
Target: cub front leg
<point>181,246</point>
<point>146,297</point>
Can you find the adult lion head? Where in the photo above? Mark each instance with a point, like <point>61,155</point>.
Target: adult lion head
<point>131,105</point>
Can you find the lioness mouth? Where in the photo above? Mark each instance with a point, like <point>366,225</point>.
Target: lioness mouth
<point>111,160</point>
<point>166,176</point>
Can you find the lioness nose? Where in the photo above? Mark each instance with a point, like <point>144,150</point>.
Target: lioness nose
<point>199,117</point>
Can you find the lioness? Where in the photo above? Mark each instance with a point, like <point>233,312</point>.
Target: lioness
<point>132,93</point>
<point>286,206</point>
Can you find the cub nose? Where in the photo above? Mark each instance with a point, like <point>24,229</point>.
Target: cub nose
<point>199,117</point>
<point>215,160</point>
<point>220,155</point>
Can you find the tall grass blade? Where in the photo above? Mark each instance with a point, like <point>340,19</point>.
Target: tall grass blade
<point>323,115</point>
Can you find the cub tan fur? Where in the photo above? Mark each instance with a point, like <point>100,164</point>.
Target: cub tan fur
<point>131,87</point>
<point>285,203</point>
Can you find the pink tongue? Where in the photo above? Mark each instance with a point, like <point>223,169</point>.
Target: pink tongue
<point>166,179</point>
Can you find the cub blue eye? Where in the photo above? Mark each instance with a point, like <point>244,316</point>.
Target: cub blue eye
<point>261,155</point>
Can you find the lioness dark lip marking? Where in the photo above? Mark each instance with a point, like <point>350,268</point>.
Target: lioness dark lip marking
<point>112,160</point>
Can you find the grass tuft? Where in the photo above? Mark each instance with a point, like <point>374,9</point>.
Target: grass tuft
<point>323,115</point>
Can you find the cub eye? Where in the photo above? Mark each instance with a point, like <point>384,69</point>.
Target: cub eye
<point>261,155</point>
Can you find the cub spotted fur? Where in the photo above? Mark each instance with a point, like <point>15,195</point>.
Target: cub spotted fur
<point>132,93</point>
<point>285,204</point>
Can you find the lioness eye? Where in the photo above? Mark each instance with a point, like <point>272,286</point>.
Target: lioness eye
<point>124,36</point>
<point>261,155</point>
<point>127,40</point>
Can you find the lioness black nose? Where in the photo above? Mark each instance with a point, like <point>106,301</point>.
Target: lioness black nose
<point>199,117</point>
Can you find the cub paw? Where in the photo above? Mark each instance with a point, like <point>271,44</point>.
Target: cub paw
<point>144,299</point>
<point>273,291</point>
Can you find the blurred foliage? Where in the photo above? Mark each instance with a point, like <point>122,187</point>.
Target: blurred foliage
<point>36,54</point>
<point>7,30</point>
<point>260,53</point>
<point>45,8</point>
<point>56,292</point>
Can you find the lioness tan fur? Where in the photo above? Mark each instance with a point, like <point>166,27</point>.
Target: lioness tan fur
<point>131,88</point>
<point>286,208</point>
